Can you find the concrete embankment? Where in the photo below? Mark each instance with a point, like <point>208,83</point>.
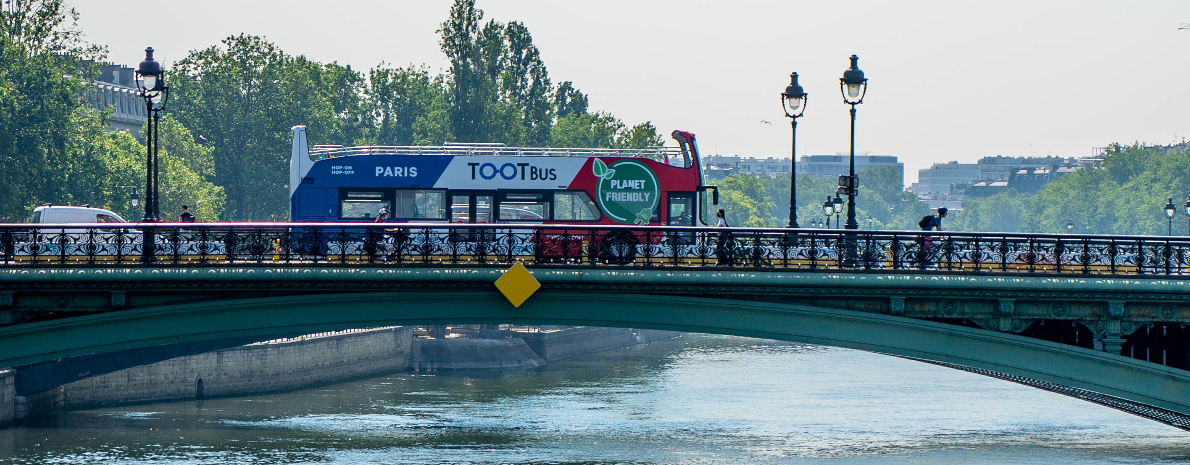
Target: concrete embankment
<point>255,368</point>
<point>569,343</point>
<point>303,362</point>
<point>472,354</point>
<point>525,350</point>
<point>8,394</point>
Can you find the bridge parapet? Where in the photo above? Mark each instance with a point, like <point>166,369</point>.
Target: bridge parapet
<point>398,245</point>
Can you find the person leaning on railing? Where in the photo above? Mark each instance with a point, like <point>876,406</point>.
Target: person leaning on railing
<point>925,242</point>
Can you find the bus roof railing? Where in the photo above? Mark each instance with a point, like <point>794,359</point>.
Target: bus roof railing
<point>666,155</point>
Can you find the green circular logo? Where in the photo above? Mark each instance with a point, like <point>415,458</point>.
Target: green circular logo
<point>628,191</point>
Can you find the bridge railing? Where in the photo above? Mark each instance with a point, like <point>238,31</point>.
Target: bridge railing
<point>441,244</point>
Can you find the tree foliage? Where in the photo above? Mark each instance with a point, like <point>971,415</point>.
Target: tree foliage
<point>881,197</point>
<point>44,118</point>
<point>1125,194</point>
<point>243,97</point>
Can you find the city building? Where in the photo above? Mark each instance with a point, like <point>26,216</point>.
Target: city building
<point>839,164</point>
<point>115,88</point>
<point>720,166</point>
<point>941,177</point>
<point>991,175</point>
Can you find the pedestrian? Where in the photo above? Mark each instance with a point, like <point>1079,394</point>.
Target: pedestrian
<point>725,247</point>
<point>186,216</point>
<point>933,221</point>
<point>926,243</point>
<point>382,215</point>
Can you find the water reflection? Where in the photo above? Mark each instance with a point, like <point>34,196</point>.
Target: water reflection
<point>699,399</point>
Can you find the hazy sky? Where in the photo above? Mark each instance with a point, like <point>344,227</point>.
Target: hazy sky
<point>948,80</point>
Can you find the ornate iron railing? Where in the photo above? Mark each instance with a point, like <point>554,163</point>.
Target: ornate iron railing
<point>497,245</point>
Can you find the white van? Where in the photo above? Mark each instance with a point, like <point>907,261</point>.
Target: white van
<point>69,214</point>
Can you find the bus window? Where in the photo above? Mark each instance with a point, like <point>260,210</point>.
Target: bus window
<point>575,206</point>
<point>531,207</point>
<point>460,209</point>
<point>420,204</point>
<point>681,209</point>
<point>483,208</point>
<point>362,205</point>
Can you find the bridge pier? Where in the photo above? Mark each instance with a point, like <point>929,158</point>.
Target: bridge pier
<point>1113,338</point>
<point>8,395</point>
<point>6,308</point>
<point>1005,309</point>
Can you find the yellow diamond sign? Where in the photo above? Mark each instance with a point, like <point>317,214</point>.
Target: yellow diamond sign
<point>517,284</point>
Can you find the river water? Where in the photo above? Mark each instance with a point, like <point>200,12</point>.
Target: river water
<point>698,399</point>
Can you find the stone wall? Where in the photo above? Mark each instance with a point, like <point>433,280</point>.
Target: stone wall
<point>248,369</point>
<point>8,394</point>
<point>568,343</point>
<point>472,354</point>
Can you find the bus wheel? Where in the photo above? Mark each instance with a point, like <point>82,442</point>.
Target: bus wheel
<point>618,248</point>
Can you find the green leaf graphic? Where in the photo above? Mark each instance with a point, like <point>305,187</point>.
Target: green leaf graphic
<point>599,168</point>
<point>610,172</point>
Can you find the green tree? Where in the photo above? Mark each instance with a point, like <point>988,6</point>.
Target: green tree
<point>242,98</point>
<point>640,136</point>
<point>396,98</point>
<point>1123,195</point>
<point>44,118</point>
<point>586,130</point>
<point>568,100</point>
<point>745,202</point>
<point>1002,212</point>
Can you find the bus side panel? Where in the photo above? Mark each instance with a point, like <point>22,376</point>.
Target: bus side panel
<point>312,204</point>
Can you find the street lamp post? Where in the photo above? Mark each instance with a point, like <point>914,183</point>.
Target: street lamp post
<point>854,86</point>
<point>828,209</point>
<point>794,101</point>
<point>1070,226</point>
<point>151,87</point>
<point>1187,205</point>
<point>838,210</point>
<point>1169,212</point>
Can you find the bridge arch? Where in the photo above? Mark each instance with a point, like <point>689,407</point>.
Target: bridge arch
<point>947,344</point>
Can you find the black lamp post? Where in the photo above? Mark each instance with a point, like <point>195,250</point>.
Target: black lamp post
<point>1169,212</point>
<point>1070,226</point>
<point>134,198</point>
<point>793,101</point>
<point>839,210</point>
<point>828,209</point>
<point>151,87</point>
<point>854,86</point>
<point>1187,215</point>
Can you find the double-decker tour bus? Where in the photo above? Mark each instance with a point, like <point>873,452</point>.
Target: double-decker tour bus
<point>492,183</point>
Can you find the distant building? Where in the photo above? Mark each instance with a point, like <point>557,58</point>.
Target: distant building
<point>727,165</point>
<point>115,88</point>
<point>992,175</point>
<point>951,202</point>
<point>939,178</point>
<point>720,166</point>
<point>1000,167</point>
<point>839,164</point>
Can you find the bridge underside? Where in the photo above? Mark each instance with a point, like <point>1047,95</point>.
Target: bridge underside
<point>991,325</point>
